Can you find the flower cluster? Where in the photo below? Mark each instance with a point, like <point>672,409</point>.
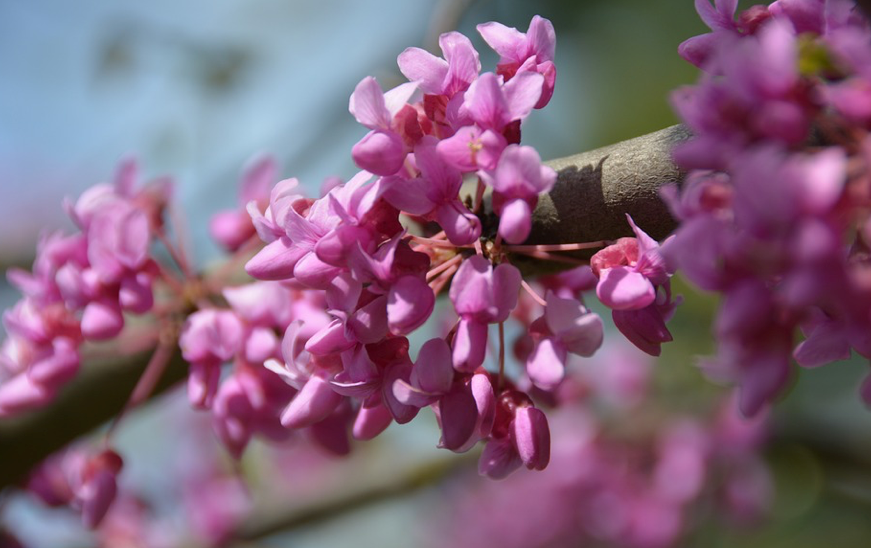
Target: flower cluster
<point>774,212</point>
<point>322,341</point>
<point>78,478</point>
<point>647,485</point>
<point>369,282</point>
<point>80,287</point>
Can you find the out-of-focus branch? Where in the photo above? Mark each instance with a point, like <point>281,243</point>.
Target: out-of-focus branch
<point>589,202</point>
<point>265,523</point>
<point>97,394</point>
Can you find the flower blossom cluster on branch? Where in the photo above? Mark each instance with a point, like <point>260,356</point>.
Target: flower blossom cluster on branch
<point>321,341</point>
<point>774,216</point>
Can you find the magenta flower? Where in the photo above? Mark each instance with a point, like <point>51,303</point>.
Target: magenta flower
<point>566,326</point>
<point>494,105</point>
<point>481,295</point>
<point>472,148</point>
<point>434,194</point>
<point>719,18</point>
<point>437,76</point>
<point>96,487</point>
<point>517,181</point>
<point>382,151</point>
<point>519,52</point>
<point>209,338</point>
<point>629,271</point>
<point>520,436</point>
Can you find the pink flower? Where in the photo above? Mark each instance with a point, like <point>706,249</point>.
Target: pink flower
<point>494,105</point>
<point>519,52</point>
<point>517,181</point>
<point>447,76</point>
<point>481,294</point>
<point>382,151</point>
<point>434,194</point>
<point>566,326</point>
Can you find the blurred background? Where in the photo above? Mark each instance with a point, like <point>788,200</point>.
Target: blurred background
<point>194,89</point>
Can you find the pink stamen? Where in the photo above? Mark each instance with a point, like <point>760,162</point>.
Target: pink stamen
<point>501,355</point>
<point>555,247</point>
<point>435,243</point>
<point>439,283</point>
<point>532,292</point>
<point>444,266</point>
<point>551,257</point>
<point>145,386</point>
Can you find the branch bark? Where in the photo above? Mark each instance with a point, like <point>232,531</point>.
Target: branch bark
<point>593,193</point>
<point>595,190</point>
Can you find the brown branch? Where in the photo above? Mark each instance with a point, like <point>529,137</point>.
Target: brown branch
<point>589,202</point>
<point>96,395</point>
<point>595,190</point>
<point>269,521</point>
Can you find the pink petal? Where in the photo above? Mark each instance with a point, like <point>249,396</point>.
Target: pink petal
<point>541,38</point>
<point>202,385</point>
<point>380,152</point>
<point>368,106</point>
<point>315,402</point>
<point>424,68</point>
<point>546,365</point>
<point>19,393</point>
<point>135,294</point>
<point>463,62</point>
<point>508,42</point>
<point>486,104</point>
<point>515,221</point>
<point>499,459</point>
<point>371,421</point>
<point>102,320</point>
<point>580,331</point>
<point>408,195</point>
<point>397,98</point>
<point>531,437</point>
<point>644,328</point>
<point>458,414</point>
<point>470,345</point>
<point>312,272</point>
<point>231,228</point>
<point>402,413</point>
<point>522,93</point>
<point>329,340</point>
<point>506,290</point>
<point>96,496</point>
<point>764,374</point>
<point>411,395</point>
<point>275,261</point>
<point>621,288</point>
<point>369,324</point>
<point>409,304</point>
<point>433,372</point>
<point>57,368</point>
<point>331,433</point>
<point>461,225</point>
<point>335,248</point>
<point>257,179</point>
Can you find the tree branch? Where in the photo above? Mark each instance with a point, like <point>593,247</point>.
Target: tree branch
<point>98,393</point>
<point>589,202</point>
